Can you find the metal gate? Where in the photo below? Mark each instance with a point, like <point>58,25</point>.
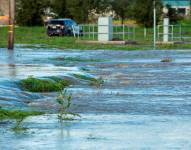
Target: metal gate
<point>179,33</point>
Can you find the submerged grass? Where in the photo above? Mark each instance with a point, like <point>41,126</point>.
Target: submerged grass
<point>93,81</point>
<point>52,84</point>
<point>166,60</point>
<point>17,115</point>
<point>77,59</point>
<point>84,69</point>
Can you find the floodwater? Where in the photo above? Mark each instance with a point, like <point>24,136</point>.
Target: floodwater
<point>144,104</point>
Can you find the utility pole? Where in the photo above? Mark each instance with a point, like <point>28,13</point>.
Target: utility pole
<point>154,24</point>
<point>11,24</point>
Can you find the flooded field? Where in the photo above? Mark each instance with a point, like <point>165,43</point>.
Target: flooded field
<point>143,104</point>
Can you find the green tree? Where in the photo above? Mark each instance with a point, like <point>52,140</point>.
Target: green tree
<point>30,12</point>
<point>102,6</point>
<point>79,10</point>
<point>143,12</point>
<point>60,8</point>
<point>122,8</point>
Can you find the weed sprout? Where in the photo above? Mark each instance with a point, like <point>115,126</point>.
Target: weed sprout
<point>65,100</point>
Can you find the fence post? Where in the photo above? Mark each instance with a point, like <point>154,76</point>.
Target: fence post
<point>74,34</point>
<point>145,32</point>
<point>83,32</point>
<point>128,32</point>
<point>172,38</point>
<point>166,30</point>
<point>89,30</point>
<point>117,31</point>
<point>180,32</point>
<point>123,32</point>
<point>158,32</point>
<point>79,32</point>
<point>93,32</point>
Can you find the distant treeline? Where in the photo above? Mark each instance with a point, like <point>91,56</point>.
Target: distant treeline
<point>32,12</point>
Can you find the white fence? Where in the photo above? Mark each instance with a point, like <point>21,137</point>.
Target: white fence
<point>120,32</point>
<point>176,33</point>
<point>140,34</point>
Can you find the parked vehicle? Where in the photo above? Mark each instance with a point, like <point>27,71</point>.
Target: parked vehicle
<point>63,27</point>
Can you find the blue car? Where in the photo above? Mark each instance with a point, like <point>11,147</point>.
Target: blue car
<point>63,27</point>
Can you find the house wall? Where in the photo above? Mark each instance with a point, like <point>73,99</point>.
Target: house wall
<point>179,4</point>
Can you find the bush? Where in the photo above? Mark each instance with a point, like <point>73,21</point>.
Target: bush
<point>44,85</point>
<point>31,12</point>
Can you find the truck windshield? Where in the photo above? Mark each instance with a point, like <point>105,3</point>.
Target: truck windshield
<point>56,22</point>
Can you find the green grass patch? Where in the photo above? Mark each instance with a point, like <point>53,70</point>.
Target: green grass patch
<point>52,84</point>
<point>93,81</point>
<point>76,59</point>
<point>36,37</point>
<point>84,69</point>
<point>18,116</point>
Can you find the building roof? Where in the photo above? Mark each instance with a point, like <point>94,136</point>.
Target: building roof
<point>177,2</point>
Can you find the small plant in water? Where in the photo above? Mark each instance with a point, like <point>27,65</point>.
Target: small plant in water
<point>93,81</point>
<point>98,83</point>
<point>18,116</point>
<point>64,100</point>
<point>18,126</point>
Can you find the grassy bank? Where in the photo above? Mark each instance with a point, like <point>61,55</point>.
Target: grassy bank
<point>37,35</point>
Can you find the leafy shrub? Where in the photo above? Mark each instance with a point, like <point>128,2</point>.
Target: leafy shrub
<point>44,85</point>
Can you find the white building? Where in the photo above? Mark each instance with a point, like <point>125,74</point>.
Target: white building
<point>182,6</point>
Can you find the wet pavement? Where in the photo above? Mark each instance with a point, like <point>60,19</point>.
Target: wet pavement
<point>143,103</point>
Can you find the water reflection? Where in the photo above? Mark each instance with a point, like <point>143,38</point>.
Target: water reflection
<point>8,64</point>
<point>64,130</point>
<point>11,63</point>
